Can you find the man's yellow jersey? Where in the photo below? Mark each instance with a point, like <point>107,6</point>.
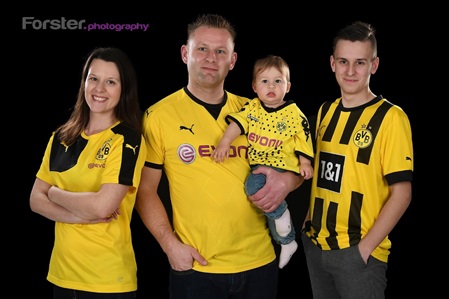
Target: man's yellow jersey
<point>210,209</point>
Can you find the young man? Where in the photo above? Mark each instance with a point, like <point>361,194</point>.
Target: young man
<point>219,243</point>
<point>362,176</point>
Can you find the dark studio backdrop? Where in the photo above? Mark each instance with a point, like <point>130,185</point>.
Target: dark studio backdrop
<point>49,66</point>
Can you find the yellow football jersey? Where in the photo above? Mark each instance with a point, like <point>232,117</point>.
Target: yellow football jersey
<point>276,136</point>
<point>210,209</point>
<point>360,152</point>
<point>95,257</point>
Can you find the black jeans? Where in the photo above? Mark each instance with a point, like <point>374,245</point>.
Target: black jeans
<point>259,283</point>
<point>61,293</point>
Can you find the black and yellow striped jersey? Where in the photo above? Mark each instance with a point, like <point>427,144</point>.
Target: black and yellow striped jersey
<point>360,151</point>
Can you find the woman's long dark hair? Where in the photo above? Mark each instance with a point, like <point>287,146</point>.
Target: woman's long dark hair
<point>128,108</point>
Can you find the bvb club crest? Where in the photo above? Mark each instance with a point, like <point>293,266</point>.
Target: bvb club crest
<point>363,137</point>
<point>104,150</point>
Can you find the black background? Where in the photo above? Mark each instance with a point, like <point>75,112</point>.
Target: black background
<point>49,64</point>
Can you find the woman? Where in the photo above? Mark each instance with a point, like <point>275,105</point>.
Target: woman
<point>88,180</point>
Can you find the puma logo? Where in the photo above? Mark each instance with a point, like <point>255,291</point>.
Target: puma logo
<point>133,148</point>
<point>186,128</point>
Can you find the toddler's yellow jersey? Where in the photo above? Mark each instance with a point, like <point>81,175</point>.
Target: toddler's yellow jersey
<point>276,136</point>
<point>210,209</point>
<point>360,152</point>
<point>95,257</point>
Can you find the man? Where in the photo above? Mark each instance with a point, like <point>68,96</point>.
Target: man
<point>219,243</point>
<point>362,176</point>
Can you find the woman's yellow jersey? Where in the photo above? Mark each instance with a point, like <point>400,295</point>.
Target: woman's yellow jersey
<point>95,257</point>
